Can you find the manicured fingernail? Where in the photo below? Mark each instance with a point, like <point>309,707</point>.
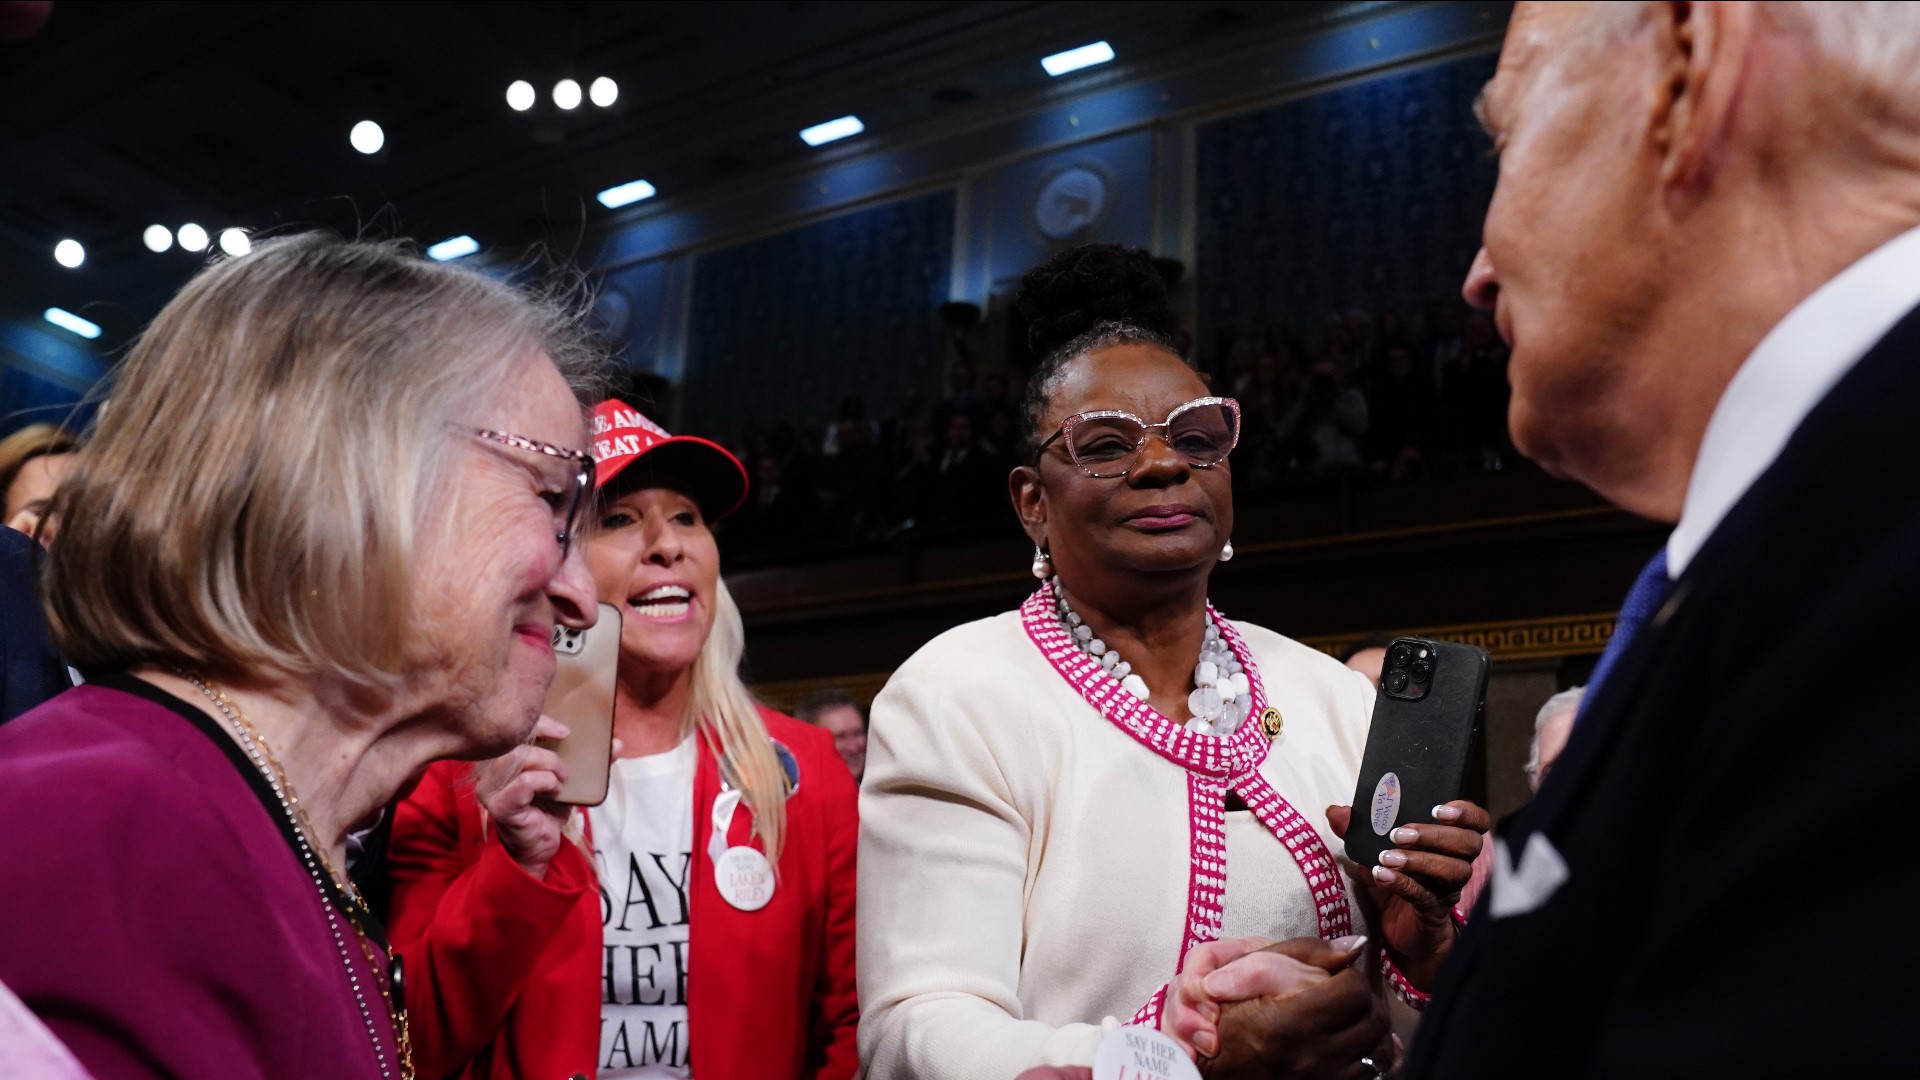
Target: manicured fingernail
<point>1383,875</point>
<point>1349,943</point>
<point>1204,1042</point>
<point>1393,858</point>
<point>1406,834</point>
<point>1443,812</point>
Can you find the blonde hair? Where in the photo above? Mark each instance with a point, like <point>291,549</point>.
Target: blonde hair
<point>723,711</point>
<point>278,440</point>
<point>32,441</point>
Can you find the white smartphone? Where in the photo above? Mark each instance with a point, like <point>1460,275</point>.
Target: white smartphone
<point>581,697</point>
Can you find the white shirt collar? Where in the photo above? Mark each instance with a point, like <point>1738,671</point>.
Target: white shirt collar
<point>1785,376</point>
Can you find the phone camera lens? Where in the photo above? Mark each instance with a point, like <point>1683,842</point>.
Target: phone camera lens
<point>1398,656</point>
<point>1421,670</point>
<point>1396,681</point>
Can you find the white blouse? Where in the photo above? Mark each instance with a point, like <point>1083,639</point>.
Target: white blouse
<point>1032,865</point>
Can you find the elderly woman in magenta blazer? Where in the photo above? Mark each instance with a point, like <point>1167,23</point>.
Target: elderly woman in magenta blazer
<point>321,539</point>
<point>618,941</point>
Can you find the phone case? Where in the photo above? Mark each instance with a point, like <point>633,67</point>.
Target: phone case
<point>1426,724</point>
<point>587,663</point>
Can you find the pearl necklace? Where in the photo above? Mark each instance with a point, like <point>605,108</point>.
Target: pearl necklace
<point>315,859</point>
<point>1221,694</point>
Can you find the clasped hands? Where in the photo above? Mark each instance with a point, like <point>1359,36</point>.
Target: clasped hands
<point>1307,1007</point>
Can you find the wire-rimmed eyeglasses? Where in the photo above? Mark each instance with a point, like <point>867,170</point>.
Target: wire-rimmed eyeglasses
<point>1107,442</point>
<point>570,506</point>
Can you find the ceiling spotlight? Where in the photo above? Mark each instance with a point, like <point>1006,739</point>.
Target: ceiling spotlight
<point>235,242</point>
<point>458,247</point>
<point>67,320</point>
<point>157,238</point>
<point>193,237</point>
<point>820,134</point>
<point>520,95</point>
<point>603,92</point>
<point>630,192</point>
<point>1085,56</point>
<point>69,253</point>
<point>566,94</point>
<point>367,137</point>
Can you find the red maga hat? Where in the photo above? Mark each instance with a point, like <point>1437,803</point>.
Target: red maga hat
<point>621,436</point>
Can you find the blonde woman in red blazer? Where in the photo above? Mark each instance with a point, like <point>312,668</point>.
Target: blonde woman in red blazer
<point>605,943</point>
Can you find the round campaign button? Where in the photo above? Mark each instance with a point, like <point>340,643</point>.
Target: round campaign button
<point>744,877</point>
<point>1136,1052</point>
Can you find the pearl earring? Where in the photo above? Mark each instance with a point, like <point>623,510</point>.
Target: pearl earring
<point>1226,553</point>
<point>1042,564</point>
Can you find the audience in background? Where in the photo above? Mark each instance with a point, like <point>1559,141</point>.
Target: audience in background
<point>31,670</point>
<point>839,713</point>
<point>1551,727</point>
<point>1384,397</point>
<point>32,462</point>
<point>1367,655</point>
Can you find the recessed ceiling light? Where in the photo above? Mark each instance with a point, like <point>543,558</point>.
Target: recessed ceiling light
<point>1085,56</point>
<point>235,242</point>
<point>69,253</point>
<point>158,238</point>
<point>67,320</point>
<point>820,134</point>
<point>566,94</point>
<point>520,95</point>
<point>630,192</point>
<point>458,247</point>
<point>367,137</point>
<point>603,92</point>
<point>193,237</point>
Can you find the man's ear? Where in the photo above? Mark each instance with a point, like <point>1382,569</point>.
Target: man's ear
<point>1029,502</point>
<point>1706,50</point>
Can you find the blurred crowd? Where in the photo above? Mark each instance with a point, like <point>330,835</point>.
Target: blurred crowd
<point>1389,397</point>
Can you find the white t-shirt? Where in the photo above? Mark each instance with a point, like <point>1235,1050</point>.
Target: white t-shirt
<point>643,853</point>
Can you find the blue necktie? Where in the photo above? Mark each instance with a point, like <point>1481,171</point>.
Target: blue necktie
<point>1649,591</point>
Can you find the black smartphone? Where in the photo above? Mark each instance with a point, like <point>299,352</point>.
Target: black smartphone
<point>1426,727</point>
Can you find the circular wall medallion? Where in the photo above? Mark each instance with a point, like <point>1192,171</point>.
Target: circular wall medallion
<point>1072,203</point>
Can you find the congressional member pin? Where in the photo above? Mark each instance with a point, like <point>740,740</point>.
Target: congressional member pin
<point>742,874</point>
<point>1271,723</point>
<point>1136,1052</point>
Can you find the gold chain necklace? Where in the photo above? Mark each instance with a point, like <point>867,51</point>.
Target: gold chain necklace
<point>314,856</point>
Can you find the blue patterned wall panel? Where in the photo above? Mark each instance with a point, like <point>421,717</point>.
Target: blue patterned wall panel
<point>783,328</point>
<point>1369,196</point>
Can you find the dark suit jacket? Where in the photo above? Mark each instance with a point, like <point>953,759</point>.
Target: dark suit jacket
<point>30,669</point>
<point>1735,807</point>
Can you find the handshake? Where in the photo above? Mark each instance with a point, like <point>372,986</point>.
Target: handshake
<point>1301,1008</point>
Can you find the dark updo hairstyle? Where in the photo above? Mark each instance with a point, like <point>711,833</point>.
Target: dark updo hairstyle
<point>1083,299</point>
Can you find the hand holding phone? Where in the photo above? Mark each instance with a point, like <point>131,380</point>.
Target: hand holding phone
<point>1426,722</point>
<point>586,670</point>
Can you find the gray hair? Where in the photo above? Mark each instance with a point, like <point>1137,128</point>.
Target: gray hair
<point>280,438</point>
<point>1877,41</point>
<point>1560,704</point>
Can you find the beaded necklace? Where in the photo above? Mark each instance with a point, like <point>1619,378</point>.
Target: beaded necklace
<point>314,857</point>
<point>1221,693</point>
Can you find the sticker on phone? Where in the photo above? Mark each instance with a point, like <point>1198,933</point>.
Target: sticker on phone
<point>569,640</point>
<point>1386,803</point>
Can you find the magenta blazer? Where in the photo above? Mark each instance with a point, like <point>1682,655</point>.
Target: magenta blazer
<point>153,914</point>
